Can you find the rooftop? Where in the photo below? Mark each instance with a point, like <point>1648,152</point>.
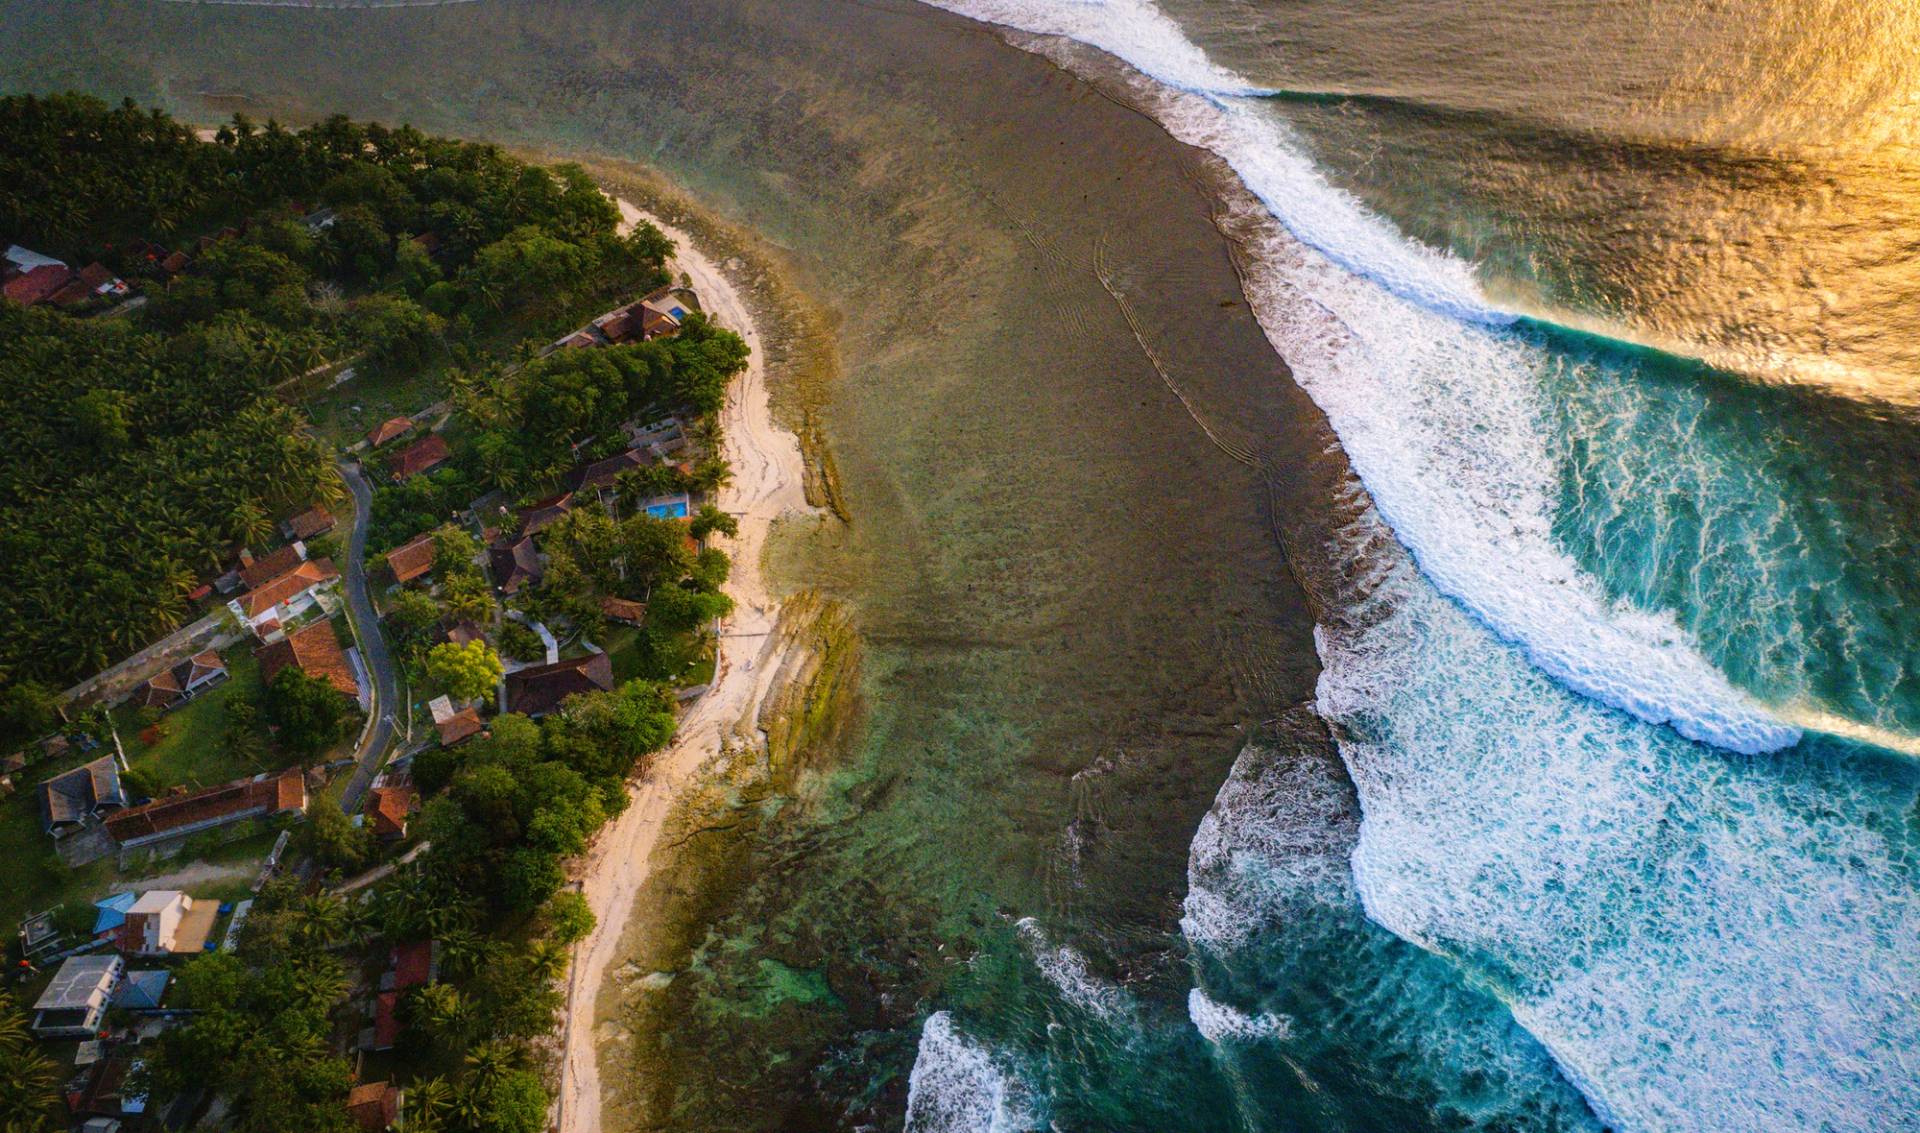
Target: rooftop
<point>316,652</point>
<point>269,794</point>
<point>271,566</point>
<point>411,559</point>
<point>289,585</point>
<point>389,429</point>
<point>540,689</point>
<point>421,455</point>
<point>79,980</point>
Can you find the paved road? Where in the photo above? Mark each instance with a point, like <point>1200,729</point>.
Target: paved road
<point>373,645</point>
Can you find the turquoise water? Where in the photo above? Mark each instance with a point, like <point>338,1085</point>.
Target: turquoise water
<point>1618,653</point>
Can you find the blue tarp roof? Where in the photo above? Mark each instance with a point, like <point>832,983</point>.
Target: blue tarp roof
<point>113,911</point>
<point>141,990</point>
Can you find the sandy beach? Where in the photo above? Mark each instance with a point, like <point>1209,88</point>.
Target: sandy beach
<point>767,483</point>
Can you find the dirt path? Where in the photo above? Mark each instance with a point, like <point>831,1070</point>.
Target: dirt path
<point>767,483</point>
<point>186,877</point>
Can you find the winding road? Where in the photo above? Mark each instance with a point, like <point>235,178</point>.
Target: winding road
<point>373,645</point>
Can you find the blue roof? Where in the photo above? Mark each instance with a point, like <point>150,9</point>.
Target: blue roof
<point>141,990</point>
<point>113,911</point>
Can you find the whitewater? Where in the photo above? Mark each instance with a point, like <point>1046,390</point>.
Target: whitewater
<point>1701,940</point>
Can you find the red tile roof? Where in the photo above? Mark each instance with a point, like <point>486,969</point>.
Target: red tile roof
<point>389,429</point>
<point>270,795</point>
<point>411,559</point>
<point>31,287</point>
<point>459,726</point>
<point>311,522</point>
<point>315,652</point>
<point>374,1105</point>
<point>421,455</point>
<point>388,808</point>
<point>412,964</point>
<point>386,1020</point>
<point>269,567</point>
<point>307,575</point>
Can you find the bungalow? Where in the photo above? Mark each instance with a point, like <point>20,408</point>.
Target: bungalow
<point>545,513</point>
<point>385,1031</point>
<point>104,1096</point>
<point>624,610</point>
<point>255,573</point>
<point>389,808</point>
<point>393,428</point>
<point>262,795</point>
<point>515,564</point>
<point>285,597</point>
<point>428,452</point>
<point>538,690</point>
<point>374,1106</point>
<point>170,689</point>
<point>75,1003</point>
<point>410,965</point>
<point>601,474</point>
<point>313,650</point>
<point>309,524</point>
<point>411,559</point>
<point>453,726</point>
<point>73,799</point>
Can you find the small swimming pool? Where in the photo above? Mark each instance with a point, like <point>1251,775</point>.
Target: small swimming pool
<point>668,509</point>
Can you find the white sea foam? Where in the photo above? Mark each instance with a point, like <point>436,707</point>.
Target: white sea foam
<point>1220,1023</point>
<point>1702,945</point>
<point>1436,406</point>
<point>957,1086</point>
<point>1067,970</point>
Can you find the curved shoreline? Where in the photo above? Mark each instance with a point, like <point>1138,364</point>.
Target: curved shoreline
<point>768,483</point>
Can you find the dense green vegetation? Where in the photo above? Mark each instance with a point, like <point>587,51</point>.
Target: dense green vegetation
<point>142,448</point>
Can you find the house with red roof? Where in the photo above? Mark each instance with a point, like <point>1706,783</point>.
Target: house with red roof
<point>393,428</point>
<point>315,651</point>
<point>309,524</point>
<point>389,808</point>
<point>175,686</point>
<point>177,815</point>
<point>272,604</point>
<point>411,559</point>
<point>427,453</point>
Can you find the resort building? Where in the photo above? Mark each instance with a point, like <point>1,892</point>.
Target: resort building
<point>75,1003</point>
<point>540,689</point>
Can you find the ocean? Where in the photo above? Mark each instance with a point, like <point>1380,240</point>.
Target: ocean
<point>1383,541</point>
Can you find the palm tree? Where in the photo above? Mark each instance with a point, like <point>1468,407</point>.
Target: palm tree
<point>490,1061</point>
<point>441,1011</point>
<point>547,960</point>
<point>249,523</point>
<point>322,920</point>
<point>430,1103</point>
<point>29,1097</point>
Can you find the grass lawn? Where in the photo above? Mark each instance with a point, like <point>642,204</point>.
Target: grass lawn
<point>189,748</point>
<point>686,660</point>
<point>347,412</point>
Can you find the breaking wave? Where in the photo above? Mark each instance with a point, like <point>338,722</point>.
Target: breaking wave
<point>1436,405</point>
<point>957,1086</point>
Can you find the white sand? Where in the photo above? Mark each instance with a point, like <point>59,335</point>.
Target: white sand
<point>767,483</point>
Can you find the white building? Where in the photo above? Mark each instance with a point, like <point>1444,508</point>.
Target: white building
<point>75,1003</point>
<point>154,922</point>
